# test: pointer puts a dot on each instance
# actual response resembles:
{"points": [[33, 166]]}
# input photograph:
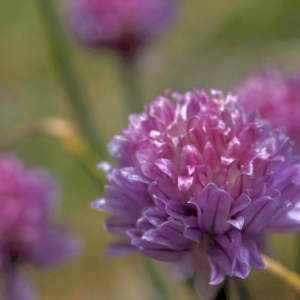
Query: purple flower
{"points": [[200, 179], [29, 233], [276, 98], [120, 25]]}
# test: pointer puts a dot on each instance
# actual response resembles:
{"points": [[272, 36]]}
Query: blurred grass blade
{"points": [[64, 132], [289, 277], [62, 59]]}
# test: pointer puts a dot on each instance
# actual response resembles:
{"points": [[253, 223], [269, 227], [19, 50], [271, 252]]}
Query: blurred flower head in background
{"points": [[275, 97], [200, 177], [120, 25], [29, 233]]}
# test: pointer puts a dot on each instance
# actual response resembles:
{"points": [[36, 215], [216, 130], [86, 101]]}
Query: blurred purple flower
{"points": [[276, 98], [28, 231], [120, 25], [200, 177]]}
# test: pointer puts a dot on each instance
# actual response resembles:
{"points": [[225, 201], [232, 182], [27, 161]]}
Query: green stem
{"points": [[132, 102], [161, 291], [62, 60]]}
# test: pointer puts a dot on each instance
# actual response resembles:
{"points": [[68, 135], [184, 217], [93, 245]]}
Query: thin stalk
{"points": [[132, 102], [160, 289], [62, 60]]}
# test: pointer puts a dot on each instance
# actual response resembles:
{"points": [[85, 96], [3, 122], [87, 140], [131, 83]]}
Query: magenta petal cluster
{"points": [[29, 234], [121, 25], [196, 174], [275, 97]]}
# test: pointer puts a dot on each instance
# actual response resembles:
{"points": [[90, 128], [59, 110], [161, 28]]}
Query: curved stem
{"points": [[132, 102], [278, 270], [62, 59], [61, 130]]}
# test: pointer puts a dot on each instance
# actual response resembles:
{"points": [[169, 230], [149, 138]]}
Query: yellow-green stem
{"points": [[62, 131], [289, 277]]}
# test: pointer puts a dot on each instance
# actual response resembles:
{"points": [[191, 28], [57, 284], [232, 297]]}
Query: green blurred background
{"points": [[214, 44]]}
